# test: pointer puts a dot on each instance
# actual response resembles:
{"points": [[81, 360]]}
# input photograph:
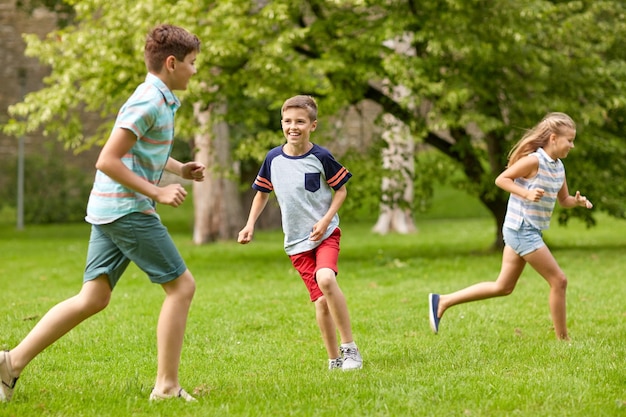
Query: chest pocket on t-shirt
{"points": [[312, 181]]}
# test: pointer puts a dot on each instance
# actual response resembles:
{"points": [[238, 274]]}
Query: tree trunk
{"points": [[217, 207], [497, 206], [397, 186]]}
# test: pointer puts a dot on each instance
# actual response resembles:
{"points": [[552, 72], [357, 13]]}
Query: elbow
{"points": [[101, 165]]}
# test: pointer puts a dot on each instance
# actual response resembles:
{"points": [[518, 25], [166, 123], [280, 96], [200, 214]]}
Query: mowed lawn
{"points": [[252, 346]]}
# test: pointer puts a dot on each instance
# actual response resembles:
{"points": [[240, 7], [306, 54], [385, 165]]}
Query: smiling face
{"points": [[561, 143], [297, 128]]}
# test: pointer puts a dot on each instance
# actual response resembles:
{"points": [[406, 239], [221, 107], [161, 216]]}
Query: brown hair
{"points": [[167, 40], [538, 136], [301, 102]]}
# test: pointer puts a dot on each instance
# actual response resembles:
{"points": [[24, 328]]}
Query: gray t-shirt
{"points": [[303, 189]]}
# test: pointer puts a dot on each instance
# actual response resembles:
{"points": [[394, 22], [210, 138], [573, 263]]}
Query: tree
{"points": [[476, 74], [397, 183], [96, 63]]}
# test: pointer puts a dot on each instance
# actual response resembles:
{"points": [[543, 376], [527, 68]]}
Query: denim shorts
{"points": [[523, 241], [137, 237]]}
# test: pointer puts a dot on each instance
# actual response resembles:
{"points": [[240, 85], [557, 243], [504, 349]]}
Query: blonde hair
{"points": [[301, 102], [538, 136]]}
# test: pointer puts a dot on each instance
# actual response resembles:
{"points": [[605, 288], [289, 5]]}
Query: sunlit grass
{"points": [[252, 347]]}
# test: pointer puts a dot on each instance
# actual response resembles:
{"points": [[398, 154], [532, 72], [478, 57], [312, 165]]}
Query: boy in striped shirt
{"points": [[125, 225]]}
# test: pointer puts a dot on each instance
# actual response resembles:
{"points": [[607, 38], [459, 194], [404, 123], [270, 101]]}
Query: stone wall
{"points": [[20, 75]]}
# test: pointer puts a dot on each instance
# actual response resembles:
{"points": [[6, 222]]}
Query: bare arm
{"points": [[320, 227], [190, 171], [526, 167], [568, 201], [110, 162], [258, 205]]}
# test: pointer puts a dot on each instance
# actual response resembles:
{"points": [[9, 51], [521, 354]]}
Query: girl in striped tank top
{"points": [[535, 177]]}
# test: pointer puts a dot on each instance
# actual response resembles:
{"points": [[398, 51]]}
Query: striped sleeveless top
{"points": [[550, 177]]}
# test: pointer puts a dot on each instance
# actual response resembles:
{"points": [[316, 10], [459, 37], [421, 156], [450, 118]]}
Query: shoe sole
{"points": [[432, 313]]}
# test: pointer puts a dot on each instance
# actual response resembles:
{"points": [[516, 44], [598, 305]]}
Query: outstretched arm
{"points": [[258, 204], [190, 171]]}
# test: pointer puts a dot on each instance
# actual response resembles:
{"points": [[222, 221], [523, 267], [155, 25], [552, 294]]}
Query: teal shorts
{"points": [[137, 237]]}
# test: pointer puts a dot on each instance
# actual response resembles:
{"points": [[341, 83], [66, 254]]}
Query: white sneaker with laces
{"points": [[351, 359], [335, 363]]}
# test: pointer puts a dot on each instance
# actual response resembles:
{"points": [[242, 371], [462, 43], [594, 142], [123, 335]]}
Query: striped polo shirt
{"points": [[149, 114], [550, 177], [303, 189]]}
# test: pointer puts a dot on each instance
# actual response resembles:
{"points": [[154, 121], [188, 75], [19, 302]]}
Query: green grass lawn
{"points": [[252, 347]]}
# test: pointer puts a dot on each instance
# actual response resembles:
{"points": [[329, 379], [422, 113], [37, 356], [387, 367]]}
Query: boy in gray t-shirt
{"points": [[310, 188]]}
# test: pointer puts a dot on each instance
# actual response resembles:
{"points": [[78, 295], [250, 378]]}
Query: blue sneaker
{"points": [[433, 304]]}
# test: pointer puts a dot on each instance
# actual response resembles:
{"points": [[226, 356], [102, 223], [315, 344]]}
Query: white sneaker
{"points": [[335, 363], [351, 359], [156, 396], [6, 375]]}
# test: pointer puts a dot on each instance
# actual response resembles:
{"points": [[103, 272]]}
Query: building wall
{"points": [[20, 75]]}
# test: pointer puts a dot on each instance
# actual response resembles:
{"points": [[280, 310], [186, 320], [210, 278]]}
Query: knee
{"points": [[504, 291], [326, 280], [94, 296], [559, 282], [95, 303], [185, 286]]}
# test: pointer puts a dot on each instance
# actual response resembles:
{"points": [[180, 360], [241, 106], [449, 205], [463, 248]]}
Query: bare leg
{"points": [[171, 331], [545, 264], [336, 303], [327, 327], [93, 297], [512, 267]]}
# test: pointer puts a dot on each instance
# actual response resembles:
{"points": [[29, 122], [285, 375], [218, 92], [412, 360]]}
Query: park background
{"points": [[424, 124]]}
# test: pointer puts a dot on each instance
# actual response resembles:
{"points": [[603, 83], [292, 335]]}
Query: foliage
{"points": [[54, 192], [364, 192], [466, 76]]}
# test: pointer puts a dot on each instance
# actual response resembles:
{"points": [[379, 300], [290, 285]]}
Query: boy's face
{"points": [[183, 70], [297, 126]]}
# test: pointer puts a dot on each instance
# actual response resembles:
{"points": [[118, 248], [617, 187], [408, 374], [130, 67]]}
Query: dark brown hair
{"points": [[301, 102], [168, 40]]}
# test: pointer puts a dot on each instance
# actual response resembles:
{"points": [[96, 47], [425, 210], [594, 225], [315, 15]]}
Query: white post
{"points": [[21, 75]]}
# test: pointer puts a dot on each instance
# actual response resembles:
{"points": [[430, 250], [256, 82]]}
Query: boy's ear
{"points": [[170, 63], [313, 125]]}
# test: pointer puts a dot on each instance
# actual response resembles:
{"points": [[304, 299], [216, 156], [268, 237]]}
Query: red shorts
{"points": [[324, 256]]}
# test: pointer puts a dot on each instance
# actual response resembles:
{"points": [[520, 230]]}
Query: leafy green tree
{"points": [[466, 76]]}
